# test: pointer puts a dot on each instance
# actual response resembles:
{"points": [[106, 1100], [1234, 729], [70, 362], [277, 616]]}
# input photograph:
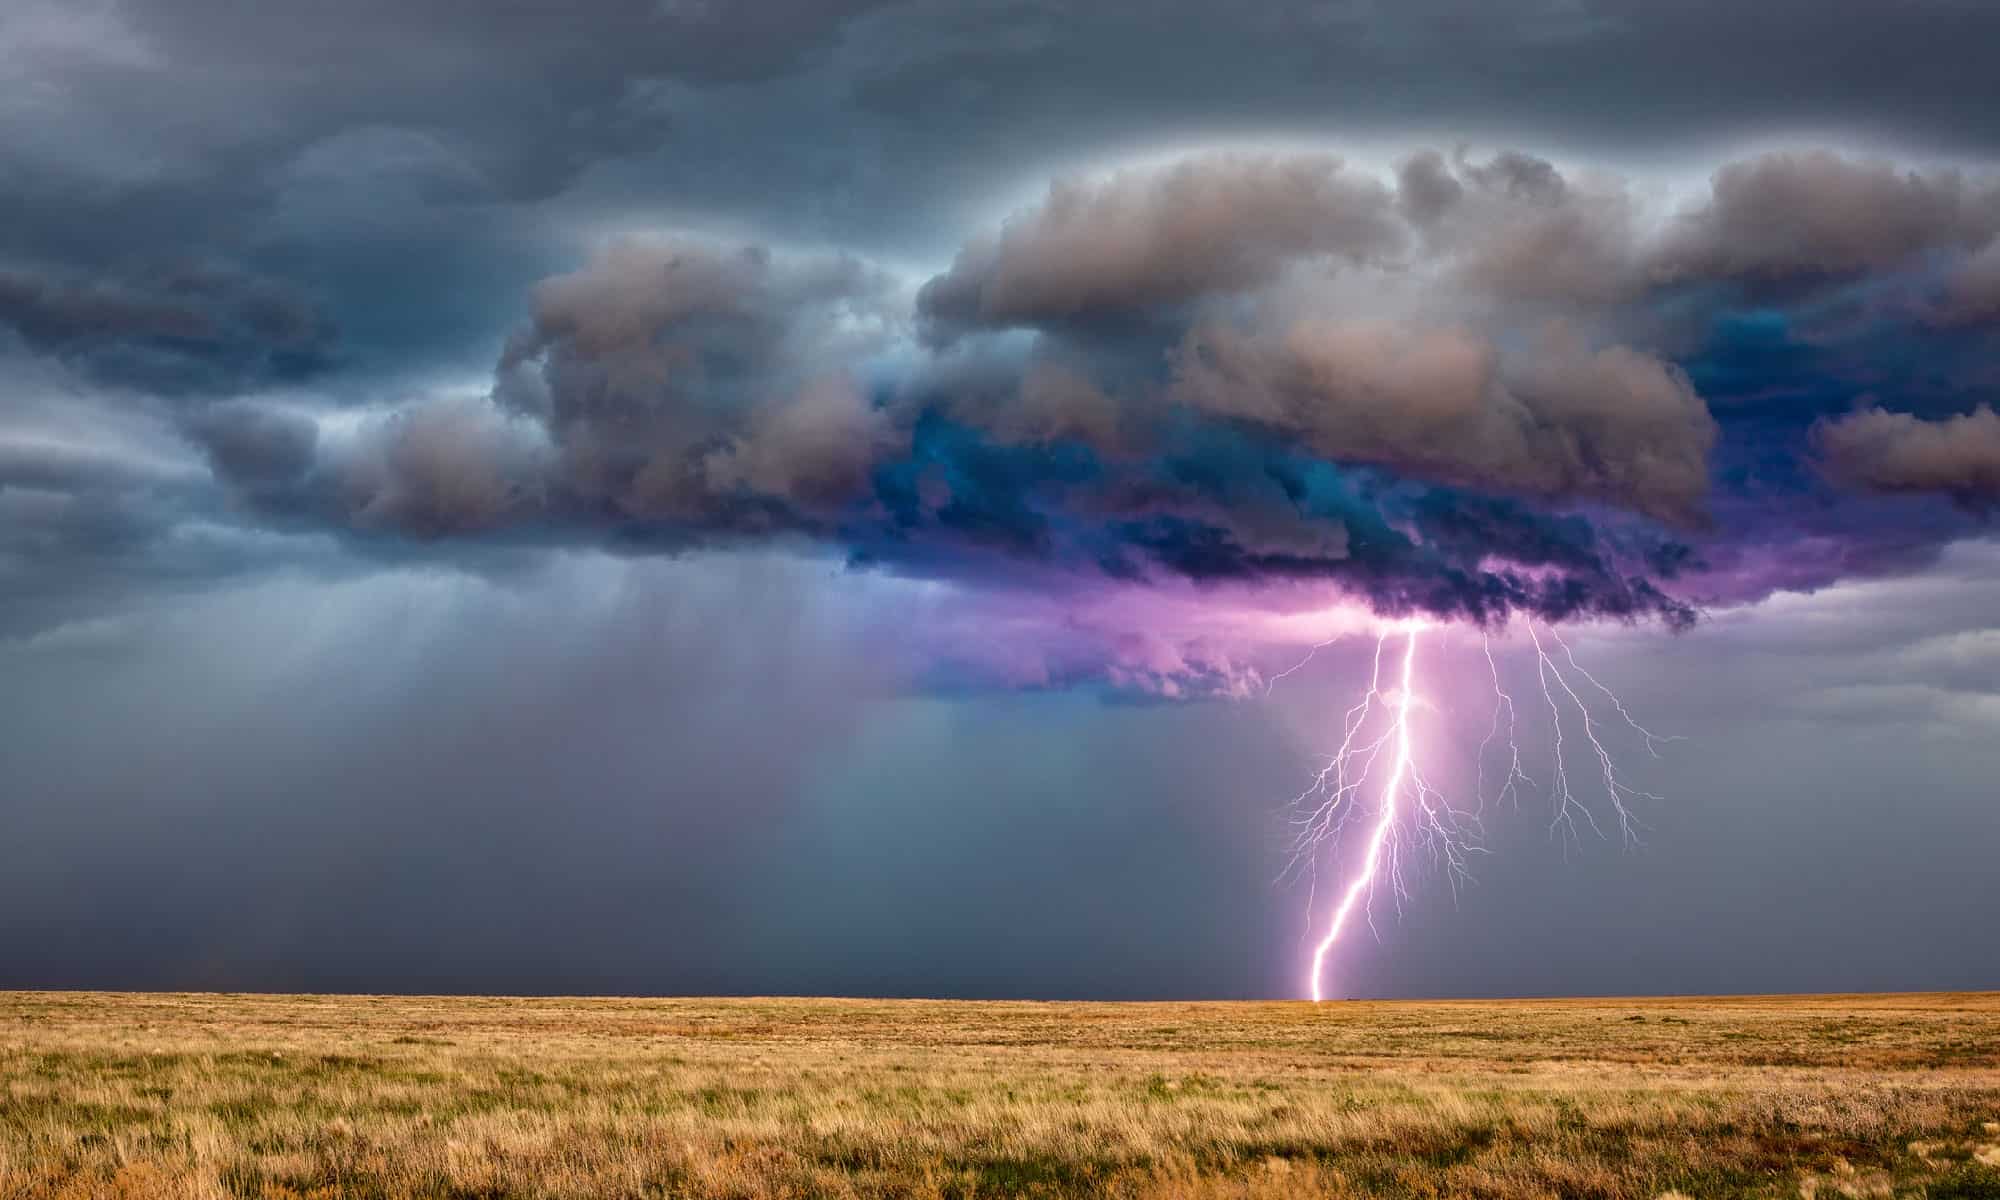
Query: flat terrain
{"points": [[293, 1096]]}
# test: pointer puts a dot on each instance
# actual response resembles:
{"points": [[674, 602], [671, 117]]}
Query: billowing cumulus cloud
{"points": [[1783, 215], [1142, 240], [442, 468], [438, 468], [704, 386], [1564, 422], [1897, 452], [1516, 227]]}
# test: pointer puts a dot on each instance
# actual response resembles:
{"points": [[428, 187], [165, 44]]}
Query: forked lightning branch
{"points": [[1376, 778]]}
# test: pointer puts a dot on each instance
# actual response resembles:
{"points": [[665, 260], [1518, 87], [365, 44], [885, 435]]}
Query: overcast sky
{"points": [[682, 497]]}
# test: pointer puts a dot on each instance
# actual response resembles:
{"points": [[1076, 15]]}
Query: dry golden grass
{"points": [[201, 1096]]}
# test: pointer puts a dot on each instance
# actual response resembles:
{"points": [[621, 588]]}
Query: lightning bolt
{"points": [[1378, 837], [1381, 725]]}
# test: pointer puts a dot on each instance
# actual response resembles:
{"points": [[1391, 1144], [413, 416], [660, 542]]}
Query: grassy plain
{"points": [[184, 1096]]}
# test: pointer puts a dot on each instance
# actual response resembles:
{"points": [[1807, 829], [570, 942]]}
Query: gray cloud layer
{"points": [[190, 329]]}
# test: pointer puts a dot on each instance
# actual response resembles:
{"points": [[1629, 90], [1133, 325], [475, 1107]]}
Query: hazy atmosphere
{"points": [[843, 498]]}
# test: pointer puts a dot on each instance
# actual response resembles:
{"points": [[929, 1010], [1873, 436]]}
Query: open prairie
{"points": [[381, 1096]]}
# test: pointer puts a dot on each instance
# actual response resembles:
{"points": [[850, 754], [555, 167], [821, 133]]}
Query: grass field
{"points": [[293, 1096]]}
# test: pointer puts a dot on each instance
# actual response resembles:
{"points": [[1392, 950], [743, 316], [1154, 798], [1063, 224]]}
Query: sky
{"points": [[898, 497]]}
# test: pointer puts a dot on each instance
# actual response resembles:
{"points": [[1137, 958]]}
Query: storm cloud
{"points": [[1148, 239], [1231, 367], [1972, 291], [1818, 213], [174, 331], [1566, 422], [1898, 452]]}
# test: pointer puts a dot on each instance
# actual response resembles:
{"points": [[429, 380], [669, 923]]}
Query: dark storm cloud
{"points": [[197, 122], [255, 445], [1972, 292], [1785, 215], [1615, 424], [417, 43], [429, 470], [1499, 246], [686, 382], [1515, 226], [136, 122], [685, 392], [1518, 226], [398, 162], [1143, 240], [1152, 241], [672, 382], [1244, 364], [439, 469], [1236, 367], [1897, 452], [525, 95], [1604, 73], [188, 329]]}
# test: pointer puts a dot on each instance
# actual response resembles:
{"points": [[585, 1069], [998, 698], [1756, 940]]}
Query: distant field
{"points": [[296, 1096]]}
